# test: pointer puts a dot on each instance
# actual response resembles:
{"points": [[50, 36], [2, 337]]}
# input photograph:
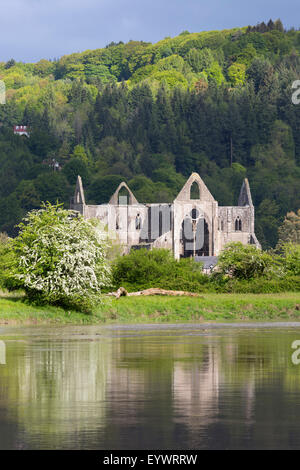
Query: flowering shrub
{"points": [[61, 258]]}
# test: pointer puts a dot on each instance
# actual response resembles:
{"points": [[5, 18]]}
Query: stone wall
{"points": [[177, 226]]}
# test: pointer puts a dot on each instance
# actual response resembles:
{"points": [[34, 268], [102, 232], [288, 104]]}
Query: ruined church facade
{"points": [[192, 225]]}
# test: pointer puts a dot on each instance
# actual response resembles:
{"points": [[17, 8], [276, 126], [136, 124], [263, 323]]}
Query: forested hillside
{"points": [[218, 103]]}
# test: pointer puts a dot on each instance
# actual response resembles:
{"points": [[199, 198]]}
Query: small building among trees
{"points": [[21, 130]]}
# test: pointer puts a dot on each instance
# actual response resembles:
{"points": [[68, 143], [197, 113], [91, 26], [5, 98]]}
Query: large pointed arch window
{"points": [[123, 197], [195, 191]]}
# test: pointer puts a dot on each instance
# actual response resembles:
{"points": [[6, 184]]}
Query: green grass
{"points": [[212, 307]]}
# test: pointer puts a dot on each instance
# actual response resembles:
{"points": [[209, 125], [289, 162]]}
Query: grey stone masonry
{"points": [[192, 225]]}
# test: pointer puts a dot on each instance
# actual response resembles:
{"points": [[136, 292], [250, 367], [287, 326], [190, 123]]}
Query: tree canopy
{"points": [[138, 111]]}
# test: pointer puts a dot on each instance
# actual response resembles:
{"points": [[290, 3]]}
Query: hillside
{"points": [[216, 102]]}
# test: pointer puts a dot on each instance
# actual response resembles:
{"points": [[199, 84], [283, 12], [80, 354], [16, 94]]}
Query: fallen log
{"points": [[152, 291], [120, 293]]}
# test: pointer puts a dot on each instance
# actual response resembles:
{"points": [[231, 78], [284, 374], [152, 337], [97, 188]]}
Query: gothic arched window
{"points": [[195, 191], [238, 225], [123, 197], [194, 214], [138, 222]]}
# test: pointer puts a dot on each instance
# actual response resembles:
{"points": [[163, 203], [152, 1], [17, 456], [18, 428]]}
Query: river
{"points": [[191, 386]]}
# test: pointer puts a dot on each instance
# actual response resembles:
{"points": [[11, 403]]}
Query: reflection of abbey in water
{"points": [[193, 225]]}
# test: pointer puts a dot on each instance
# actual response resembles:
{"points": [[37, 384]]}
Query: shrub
{"points": [[60, 258], [142, 269], [244, 261], [263, 286], [7, 261], [253, 271], [291, 258]]}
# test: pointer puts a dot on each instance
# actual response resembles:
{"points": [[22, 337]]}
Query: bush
{"points": [[142, 269], [263, 286], [291, 258], [253, 272], [7, 261], [59, 258], [244, 261]]}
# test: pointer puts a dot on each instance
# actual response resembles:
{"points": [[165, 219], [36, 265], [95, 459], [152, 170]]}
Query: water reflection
{"points": [[146, 387], [2, 353]]}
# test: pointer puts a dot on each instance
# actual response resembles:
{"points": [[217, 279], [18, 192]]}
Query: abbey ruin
{"points": [[192, 225]]}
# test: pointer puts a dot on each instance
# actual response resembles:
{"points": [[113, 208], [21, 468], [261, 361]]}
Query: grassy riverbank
{"points": [[208, 307]]}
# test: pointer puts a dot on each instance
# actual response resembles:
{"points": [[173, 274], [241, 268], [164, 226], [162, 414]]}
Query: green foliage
{"points": [[262, 285], [10, 63], [53, 187], [289, 231], [291, 258], [237, 74], [7, 264], [80, 154], [59, 258], [244, 261], [172, 78], [215, 102], [101, 189], [99, 71], [240, 269], [75, 167], [200, 60], [173, 62], [214, 73], [44, 68], [142, 269]]}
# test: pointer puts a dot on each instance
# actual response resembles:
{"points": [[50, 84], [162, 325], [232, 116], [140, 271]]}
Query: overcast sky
{"points": [[35, 29]]}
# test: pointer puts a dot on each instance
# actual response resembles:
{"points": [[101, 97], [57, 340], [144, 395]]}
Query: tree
{"points": [[60, 258], [278, 25], [237, 74], [290, 229], [79, 153], [214, 73], [44, 68], [75, 167], [103, 188], [176, 102], [259, 71], [291, 258], [244, 261], [267, 222], [53, 187], [200, 60], [10, 63], [6, 258]]}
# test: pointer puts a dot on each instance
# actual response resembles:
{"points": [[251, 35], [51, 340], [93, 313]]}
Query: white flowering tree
{"points": [[61, 258]]}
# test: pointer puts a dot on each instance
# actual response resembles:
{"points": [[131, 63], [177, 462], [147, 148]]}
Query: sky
{"points": [[34, 29]]}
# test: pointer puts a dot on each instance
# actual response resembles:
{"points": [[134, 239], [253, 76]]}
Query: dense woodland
{"points": [[218, 103]]}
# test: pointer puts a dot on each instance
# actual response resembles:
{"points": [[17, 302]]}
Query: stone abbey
{"points": [[192, 225]]}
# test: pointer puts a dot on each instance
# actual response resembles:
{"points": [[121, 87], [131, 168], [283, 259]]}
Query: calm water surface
{"points": [[149, 387]]}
